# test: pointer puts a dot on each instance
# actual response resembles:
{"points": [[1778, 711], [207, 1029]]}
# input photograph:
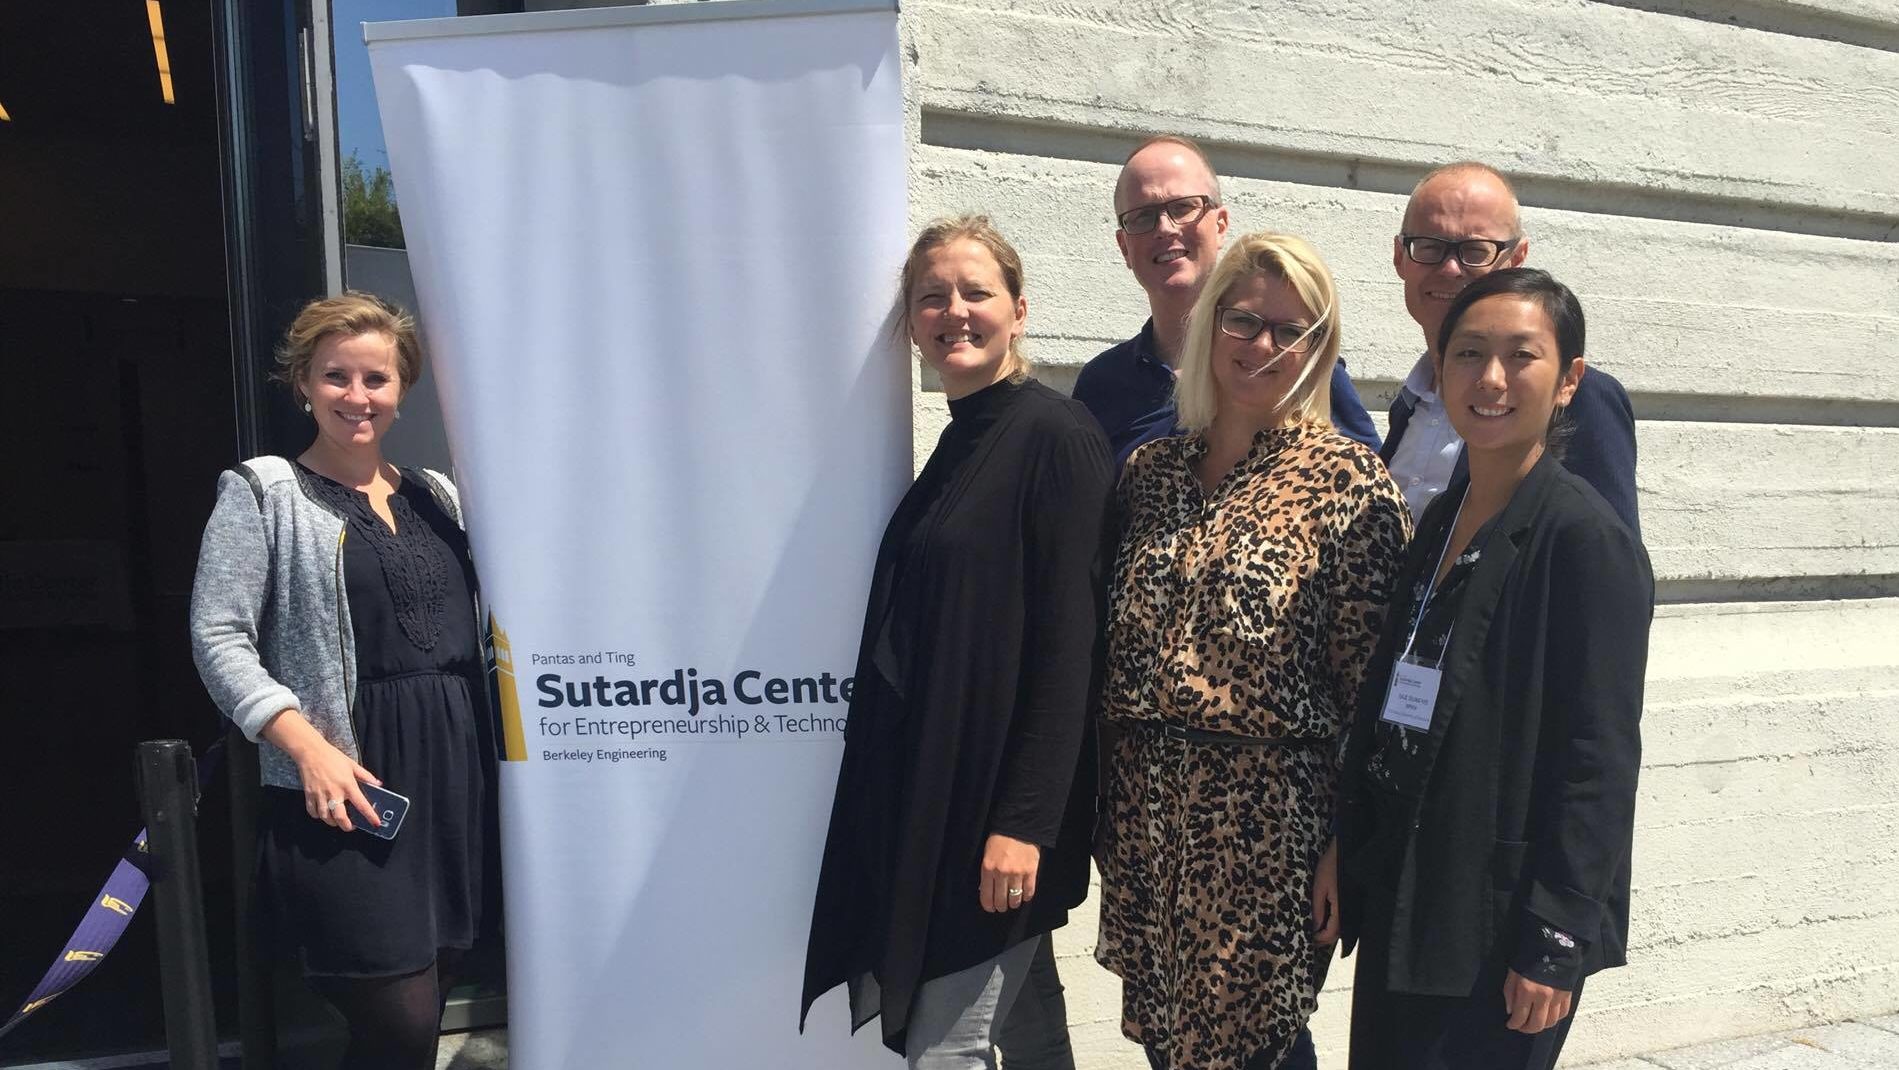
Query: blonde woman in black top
{"points": [[959, 836], [334, 621]]}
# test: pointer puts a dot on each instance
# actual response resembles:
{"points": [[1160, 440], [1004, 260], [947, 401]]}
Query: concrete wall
{"points": [[1720, 183]]}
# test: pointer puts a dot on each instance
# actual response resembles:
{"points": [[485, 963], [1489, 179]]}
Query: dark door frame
{"points": [[274, 258]]}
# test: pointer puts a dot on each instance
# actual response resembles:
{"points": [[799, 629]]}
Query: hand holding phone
{"points": [[389, 806]]}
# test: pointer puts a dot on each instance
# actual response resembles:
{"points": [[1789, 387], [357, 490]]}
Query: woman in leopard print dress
{"points": [[1256, 555]]}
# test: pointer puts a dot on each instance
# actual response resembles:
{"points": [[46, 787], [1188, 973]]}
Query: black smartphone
{"points": [[392, 808]]}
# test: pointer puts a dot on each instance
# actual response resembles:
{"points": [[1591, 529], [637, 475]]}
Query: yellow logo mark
{"points": [[37, 1004], [514, 744], [116, 906], [84, 956]]}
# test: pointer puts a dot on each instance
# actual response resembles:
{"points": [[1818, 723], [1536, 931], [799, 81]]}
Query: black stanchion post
{"points": [[168, 791], [256, 997]]}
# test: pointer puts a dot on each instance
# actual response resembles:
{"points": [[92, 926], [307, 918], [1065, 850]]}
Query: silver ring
{"points": [[1015, 891], [332, 806]]}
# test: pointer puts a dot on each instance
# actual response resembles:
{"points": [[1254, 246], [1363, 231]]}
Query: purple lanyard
{"points": [[106, 918]]}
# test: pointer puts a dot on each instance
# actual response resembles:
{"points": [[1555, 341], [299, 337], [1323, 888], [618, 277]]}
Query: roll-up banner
{"points": [[654, 250]]}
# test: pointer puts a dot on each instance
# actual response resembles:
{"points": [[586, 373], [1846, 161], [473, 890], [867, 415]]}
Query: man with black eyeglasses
{"points": [[1460, 224], [1169, 225]]}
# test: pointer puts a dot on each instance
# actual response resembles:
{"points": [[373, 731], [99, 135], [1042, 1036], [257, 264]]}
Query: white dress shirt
{"points": [[1427, 454]]}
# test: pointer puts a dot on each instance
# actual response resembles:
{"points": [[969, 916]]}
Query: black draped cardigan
{"points": [[1524, 816], [970, 713]]}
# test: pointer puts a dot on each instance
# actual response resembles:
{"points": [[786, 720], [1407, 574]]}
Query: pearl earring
{"points": [[398, 415], [307, 408]]}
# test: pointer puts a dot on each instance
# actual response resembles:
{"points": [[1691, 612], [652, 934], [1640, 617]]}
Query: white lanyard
{"points": [[1430, 592]]}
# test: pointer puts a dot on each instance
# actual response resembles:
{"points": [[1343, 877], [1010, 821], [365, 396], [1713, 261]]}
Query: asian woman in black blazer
{"points": [[1482, 862]]}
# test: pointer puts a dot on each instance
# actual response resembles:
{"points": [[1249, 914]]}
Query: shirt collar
{"points": [[1267, 442], [989, 400], [1144, 350], [1418, 383]]}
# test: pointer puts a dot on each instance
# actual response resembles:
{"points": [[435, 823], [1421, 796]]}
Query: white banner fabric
{"points": [[655, 260]]}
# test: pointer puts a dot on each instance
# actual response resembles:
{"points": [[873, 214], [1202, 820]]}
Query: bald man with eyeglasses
{"points": [[1461, 223], [1169, 223]]}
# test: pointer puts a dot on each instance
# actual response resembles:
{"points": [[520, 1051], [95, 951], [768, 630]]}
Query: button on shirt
{"points": [[1427, 453]]}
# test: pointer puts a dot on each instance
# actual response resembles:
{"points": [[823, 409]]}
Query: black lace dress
{"points": [[349, 904]]}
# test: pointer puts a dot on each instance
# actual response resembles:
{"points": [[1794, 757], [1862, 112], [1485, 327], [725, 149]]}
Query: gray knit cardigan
{"points": [[270, 626]]}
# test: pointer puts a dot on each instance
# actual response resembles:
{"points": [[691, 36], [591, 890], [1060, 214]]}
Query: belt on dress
{"points": [[1228, 739]]}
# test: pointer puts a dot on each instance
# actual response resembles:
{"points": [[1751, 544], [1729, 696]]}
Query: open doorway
{"points": [[115, 338], [136, 359]]}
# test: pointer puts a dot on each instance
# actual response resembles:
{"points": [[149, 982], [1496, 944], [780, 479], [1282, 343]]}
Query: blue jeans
{"points": [[1035, 1035], [954, 1023]]}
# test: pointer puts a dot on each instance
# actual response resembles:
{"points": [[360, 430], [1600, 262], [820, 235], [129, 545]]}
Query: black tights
{"points": [[1302, 1057], [394, 1022]]}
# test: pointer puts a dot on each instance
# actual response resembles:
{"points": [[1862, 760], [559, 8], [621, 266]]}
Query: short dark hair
{"points": [[1532, 284], [1557, 301]]}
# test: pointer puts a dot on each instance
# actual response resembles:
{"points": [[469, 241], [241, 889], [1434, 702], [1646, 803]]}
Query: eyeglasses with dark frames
{"points": [[1289, 337], [1184, 211], [1471, 252]]}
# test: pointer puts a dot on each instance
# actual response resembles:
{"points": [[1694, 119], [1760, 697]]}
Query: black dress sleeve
{"points": [[1065, 509], [1601, 599]]}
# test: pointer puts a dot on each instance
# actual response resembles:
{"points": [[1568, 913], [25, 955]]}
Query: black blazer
{"points": [[1601, 445], [1527, 812]]}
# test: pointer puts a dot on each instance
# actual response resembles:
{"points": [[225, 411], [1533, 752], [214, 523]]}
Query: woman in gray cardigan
{"points": [[334, 621]]}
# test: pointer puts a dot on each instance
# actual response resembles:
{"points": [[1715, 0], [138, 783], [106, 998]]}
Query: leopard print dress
{"points": [[1251, 611]]}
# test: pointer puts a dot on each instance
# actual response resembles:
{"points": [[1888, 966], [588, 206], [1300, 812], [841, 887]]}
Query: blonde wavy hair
{"points": [[348, 314], [1291, 260], [941, 232]]}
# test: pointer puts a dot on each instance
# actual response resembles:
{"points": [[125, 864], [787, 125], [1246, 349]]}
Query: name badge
{"points": [[1412, 695]]}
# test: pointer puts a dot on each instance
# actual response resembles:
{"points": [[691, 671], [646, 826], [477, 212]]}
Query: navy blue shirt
{"points": [[1600, 448], [1131, 392]]}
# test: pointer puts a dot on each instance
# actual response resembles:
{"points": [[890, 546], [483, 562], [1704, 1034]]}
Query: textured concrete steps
{"points": [[1763, 833], [1739, 509], [1611, 103], [1675, 308], [1872, 1044]]}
